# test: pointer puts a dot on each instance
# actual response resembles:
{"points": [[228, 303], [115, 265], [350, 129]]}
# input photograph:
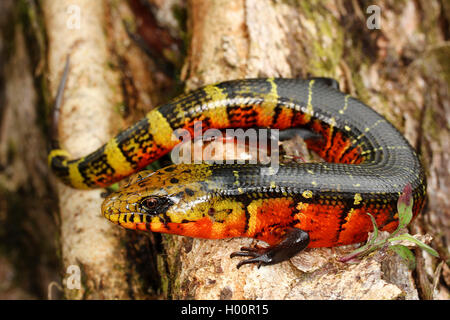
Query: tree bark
{"points": [[28, 246], [385, 68], [127, 57]]}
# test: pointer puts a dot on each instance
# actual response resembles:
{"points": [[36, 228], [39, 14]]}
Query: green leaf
{"points": [[155, 165], [405, 254], [353, 256], [404, 207], [420, 244], [114, 187], [367, 247], [375, 230]]}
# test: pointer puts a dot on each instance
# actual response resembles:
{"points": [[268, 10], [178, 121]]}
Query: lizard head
{"points": [[174, 199]]}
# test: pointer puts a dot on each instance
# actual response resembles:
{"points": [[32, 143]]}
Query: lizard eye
{"points": [[155, 204], [150, 203]]}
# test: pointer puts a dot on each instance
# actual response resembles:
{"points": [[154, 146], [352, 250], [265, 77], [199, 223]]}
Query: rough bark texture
{"points": [[99, 49], [385, 68], [127, 57], [28, 229], [87, 240]]}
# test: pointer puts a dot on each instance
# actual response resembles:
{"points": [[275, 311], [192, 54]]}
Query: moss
{"points": [[30, 16], [11, 151], [169, 265], [161, 266], [328, 57], [120, 108], [327, 39], [430, 126], [430, 15], [309, 8], [181, 16], [442, 54], [360, 88]]}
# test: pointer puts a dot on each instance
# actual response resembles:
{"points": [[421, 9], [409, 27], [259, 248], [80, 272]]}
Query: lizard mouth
{"points": [[137, 213], [118, 211]]}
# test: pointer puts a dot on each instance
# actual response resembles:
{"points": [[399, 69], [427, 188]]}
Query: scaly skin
{"points": [[368, 165]]}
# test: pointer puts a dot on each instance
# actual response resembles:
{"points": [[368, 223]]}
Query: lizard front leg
{"points": [[294, 241]]}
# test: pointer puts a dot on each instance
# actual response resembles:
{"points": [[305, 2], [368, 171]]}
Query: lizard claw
{"points": [[294, 241], [258, 255]]}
